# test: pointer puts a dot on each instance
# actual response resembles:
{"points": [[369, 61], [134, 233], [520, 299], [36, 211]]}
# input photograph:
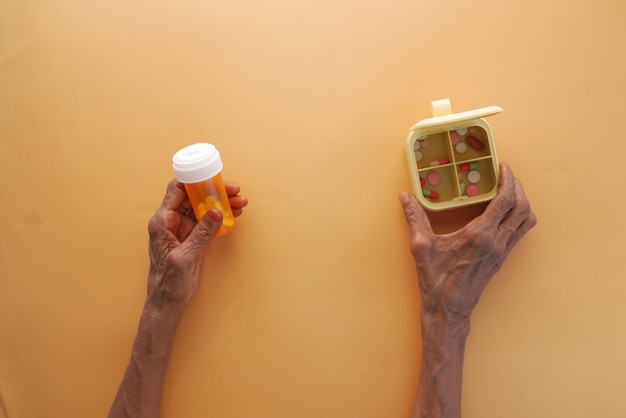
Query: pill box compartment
{"points": [[452, 160]]}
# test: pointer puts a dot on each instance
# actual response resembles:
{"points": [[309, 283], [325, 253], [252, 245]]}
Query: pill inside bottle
{"points": [[199, 168]]}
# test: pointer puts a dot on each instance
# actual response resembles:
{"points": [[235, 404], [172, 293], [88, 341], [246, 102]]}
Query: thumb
{"points": [[415, 215], [204, 231]]}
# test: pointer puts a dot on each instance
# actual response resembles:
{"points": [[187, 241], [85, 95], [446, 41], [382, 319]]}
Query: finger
{"points": [[231, 188], [185, 208], [204, 231], [415, 215], [520, 212], [528, 224], [238, 202], [187, 223], [174, 195], [504, 200]]}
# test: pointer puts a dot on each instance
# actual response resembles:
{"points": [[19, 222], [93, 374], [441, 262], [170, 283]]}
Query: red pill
{"points": [[474, 142], [422, 181]]}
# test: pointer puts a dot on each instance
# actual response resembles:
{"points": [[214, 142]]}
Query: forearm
{"points": [[139, 395], [439, 390]]}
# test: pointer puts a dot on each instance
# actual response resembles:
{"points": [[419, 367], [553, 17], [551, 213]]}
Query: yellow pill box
{"points": [[451, 158]]}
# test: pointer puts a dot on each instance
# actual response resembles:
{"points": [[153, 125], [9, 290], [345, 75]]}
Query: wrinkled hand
{"points": [[178, 242], [454, 269]]}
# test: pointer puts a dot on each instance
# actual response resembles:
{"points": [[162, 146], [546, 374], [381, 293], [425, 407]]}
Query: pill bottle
{"points": [[199, 168]]}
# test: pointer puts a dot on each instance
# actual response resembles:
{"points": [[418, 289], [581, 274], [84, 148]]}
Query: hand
{"points": [[454, 269], [178, 242]]}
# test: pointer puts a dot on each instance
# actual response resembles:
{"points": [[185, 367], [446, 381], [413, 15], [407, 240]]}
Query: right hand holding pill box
{"points": [[451, 158]]}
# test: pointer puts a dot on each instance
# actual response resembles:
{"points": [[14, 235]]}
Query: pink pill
{"points": [[474, 142], [433, 178], [455, 138], [425, 143], [471, 190]]}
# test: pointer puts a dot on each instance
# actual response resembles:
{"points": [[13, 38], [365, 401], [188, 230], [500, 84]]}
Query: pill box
{"points": [[451, 157]]}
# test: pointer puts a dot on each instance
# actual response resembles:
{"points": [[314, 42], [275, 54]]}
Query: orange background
{"points": [[310, 307]]}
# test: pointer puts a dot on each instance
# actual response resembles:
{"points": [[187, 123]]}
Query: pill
{"points": [[416, 145], [419, 165], [471, 190], [460, 147], [426, 143], [433, 178], [454, 138], [422, 181], [418, 156], [441, 161], [474, 142], [469, 166], [462, 187], [473, 129], [430, 194], [423, 137], [461, 131], [473, 176]]}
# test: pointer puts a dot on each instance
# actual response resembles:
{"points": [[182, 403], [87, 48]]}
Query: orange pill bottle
{"points": [[199, 168]]}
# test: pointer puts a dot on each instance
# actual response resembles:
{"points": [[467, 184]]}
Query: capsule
{"points": [[430, 193], [441, 161], [474, 142], [468, 166]]}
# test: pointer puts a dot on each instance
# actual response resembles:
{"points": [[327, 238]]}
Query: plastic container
{"points": [[452, 159], [199, 168]]}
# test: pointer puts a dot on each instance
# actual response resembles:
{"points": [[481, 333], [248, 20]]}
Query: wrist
{"points": [[446, 318], [164, 297], [165, 316], [443, 331]]}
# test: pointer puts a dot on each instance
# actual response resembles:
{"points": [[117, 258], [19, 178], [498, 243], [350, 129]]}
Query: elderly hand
{"points": [[453, 269], [178, 242]]}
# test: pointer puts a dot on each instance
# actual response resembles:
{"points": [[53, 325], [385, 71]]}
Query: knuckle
{"points": [[419, 245], [532, 219], [154, 225]]}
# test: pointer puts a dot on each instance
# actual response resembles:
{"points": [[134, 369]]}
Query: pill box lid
{"points": [[450, 121]]}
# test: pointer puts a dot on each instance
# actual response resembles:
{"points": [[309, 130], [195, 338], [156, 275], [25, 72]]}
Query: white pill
{"points": [[460, 147], [418, 156], [461, 131], [473, 176], [416, 145]]}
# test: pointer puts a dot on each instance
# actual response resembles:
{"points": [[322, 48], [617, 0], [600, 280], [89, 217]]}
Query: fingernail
{"points": [[215, 215]]}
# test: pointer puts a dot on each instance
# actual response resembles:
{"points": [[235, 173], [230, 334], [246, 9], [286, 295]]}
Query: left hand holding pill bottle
{"points": [[199, 168]]}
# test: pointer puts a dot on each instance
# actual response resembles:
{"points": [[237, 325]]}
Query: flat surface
{"points": [[310, 307]]}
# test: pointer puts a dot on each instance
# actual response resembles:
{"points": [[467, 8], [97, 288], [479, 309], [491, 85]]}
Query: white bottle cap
{"points": [[196, 163]]}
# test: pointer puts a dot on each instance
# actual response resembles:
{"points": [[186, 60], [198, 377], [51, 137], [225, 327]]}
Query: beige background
{"points": [[310, 307]]}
